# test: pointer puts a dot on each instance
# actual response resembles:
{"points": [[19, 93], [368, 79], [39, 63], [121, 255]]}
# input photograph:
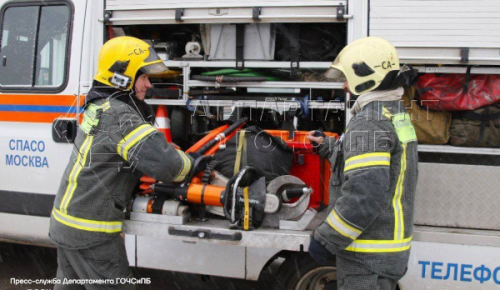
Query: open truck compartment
{"points": [[269, 57]]}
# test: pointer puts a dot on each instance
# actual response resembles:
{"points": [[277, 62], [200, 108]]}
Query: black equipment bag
{"points": [[252, 146]]}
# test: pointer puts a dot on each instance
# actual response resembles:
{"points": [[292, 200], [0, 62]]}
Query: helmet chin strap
{"points": [[132, 97], [395, 79]]}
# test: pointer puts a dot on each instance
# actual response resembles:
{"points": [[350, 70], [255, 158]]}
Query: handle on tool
{"points": [[288, 194], [164, 189], [205, 234]]}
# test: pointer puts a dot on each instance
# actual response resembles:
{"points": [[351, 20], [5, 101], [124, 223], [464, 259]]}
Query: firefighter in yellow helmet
{"points": [[368, 230], [115, 145]]}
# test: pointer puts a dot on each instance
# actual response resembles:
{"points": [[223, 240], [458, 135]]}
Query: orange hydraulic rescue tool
{"points": [[193, 191]]}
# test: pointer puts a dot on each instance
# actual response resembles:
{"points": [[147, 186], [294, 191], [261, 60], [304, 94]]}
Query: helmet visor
{"points": [[334, 73], [154, 68], [152, 56]]}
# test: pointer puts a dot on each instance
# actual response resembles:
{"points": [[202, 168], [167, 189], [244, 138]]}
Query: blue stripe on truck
{"points": [[42, 109]]}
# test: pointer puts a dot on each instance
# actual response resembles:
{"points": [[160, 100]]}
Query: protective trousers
{"points": [[352, 276], [102, 266]]}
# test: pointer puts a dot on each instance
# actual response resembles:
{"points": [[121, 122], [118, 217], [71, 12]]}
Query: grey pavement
{"points": [[32, 262]]}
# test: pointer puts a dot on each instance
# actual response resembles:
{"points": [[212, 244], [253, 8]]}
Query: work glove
{"points": [[319, 252], [316, 137], [199, 164]]}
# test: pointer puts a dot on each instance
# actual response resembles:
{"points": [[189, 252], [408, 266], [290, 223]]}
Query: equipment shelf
{"points": [[458, 150], [303, 85], [249, 103], [457, 70], [248, 64]]}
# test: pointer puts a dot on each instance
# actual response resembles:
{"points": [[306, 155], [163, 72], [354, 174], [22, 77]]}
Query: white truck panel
{"points": [[416, 28], [27, 170], [435, 266]]}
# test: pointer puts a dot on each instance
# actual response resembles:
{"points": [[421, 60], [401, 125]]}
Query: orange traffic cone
{"points": [[163, 122]]}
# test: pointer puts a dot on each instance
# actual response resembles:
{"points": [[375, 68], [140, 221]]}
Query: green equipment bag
{"points": [[478, 128], [432, 127]]}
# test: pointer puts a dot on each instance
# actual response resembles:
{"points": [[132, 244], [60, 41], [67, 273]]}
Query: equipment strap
{"points": [[467, 80], [241, 147], [246, 216]]}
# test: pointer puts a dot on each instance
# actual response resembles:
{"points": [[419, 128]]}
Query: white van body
{"points": [[457, 224]]}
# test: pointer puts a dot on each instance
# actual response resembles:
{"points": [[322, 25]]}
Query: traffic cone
{"points": [[163, 122]]}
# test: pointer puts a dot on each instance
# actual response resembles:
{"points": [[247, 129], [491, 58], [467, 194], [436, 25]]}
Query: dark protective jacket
{"points": [[114, 147], [374, 176]]}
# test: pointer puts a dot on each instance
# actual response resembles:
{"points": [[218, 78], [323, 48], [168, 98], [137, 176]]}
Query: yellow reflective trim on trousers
{"points": [[380, 246], [87, 225], [342, 227], [389, 250], [383, 242], [133, 138], [367, 160], [75, 171], [396, 201], [186, 167]]}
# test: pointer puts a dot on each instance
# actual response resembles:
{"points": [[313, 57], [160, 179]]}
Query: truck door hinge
{"points": [[179, 12], [256, 11], [341, 11], [107, 16], [464, 54]]}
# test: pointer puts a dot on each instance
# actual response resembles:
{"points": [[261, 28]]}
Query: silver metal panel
{"points": [[260, 238], [434, 31], [256, 260], [159, 218], [460, 196], [191, 257]]}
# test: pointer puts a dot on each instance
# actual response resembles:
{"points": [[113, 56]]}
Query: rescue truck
{"points": [[48, 58]]}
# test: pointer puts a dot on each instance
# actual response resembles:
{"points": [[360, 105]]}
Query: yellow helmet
{"points": [[122, 57], [365, 63]]}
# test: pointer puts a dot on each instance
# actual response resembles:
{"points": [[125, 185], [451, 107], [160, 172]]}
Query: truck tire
{"points": [[301, 272]]}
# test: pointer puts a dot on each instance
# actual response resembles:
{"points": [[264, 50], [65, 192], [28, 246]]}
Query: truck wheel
{"points": [[302, 272]]}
